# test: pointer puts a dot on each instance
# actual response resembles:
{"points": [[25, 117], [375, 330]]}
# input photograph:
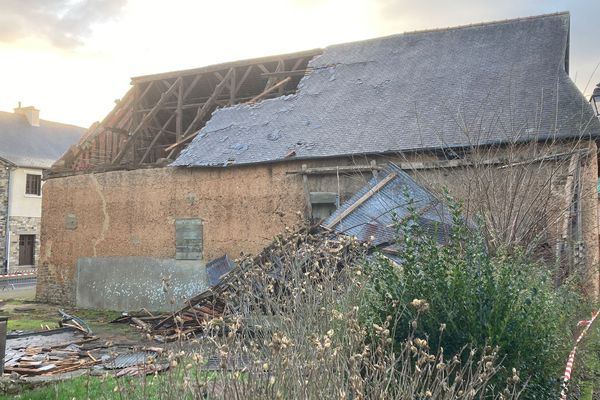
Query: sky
{"points": [[73, 58]]}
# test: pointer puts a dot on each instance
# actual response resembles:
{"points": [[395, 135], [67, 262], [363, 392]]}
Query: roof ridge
{"points": [[458, 27], [494, 22], [46, 120]]}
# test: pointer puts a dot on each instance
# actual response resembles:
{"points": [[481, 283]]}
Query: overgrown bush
{"points": [[294, 332], [502, 301]]}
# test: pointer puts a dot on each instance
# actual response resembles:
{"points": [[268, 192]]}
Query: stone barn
{"points": [[193, 165]]}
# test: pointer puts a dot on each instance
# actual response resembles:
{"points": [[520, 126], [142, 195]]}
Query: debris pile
{"points": [[302, 249], [72, 347], [54, 351]]}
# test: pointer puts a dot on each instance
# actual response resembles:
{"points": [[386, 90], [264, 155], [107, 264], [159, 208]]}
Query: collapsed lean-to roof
{"points": [[480, 84], [392, 198], [34, 146]]}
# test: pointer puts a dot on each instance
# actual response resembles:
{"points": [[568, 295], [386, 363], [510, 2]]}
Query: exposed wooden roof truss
{"points": [[162, 113]]}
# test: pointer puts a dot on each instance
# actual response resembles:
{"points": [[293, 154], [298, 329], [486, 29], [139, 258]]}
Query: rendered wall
{"points": [[133, 213], [22, 204], [133, 283]]}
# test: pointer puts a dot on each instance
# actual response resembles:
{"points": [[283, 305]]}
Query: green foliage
{"points": [[504, 301]]}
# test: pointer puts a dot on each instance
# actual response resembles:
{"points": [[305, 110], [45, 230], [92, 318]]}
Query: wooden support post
{"points": [[374, 169], [179, 112], [145, 120], [306, 193], [232, 87], [202, 111]]}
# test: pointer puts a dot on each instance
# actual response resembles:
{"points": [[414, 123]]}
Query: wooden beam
{"points": [[232, 86], [179, 112], [361, 200], [282, 74], [244, 77], [191, 86], [306, 193], [336, 169], [155, 139], [270, 90], [145, 120], [202, 111]]}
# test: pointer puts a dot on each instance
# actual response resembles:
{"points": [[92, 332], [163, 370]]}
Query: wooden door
{"points": [[26, 249]]}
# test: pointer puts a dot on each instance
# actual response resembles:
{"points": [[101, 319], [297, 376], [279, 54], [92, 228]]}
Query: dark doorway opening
{"points": [[26, 249]]}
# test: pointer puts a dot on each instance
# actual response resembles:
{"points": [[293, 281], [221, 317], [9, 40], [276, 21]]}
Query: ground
{"points": [[27, 315]]}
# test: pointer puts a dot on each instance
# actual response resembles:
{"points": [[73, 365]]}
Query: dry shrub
{"points": [[294, 332]]}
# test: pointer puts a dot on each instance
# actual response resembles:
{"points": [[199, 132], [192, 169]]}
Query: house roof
{"points": [[459, 87], [34, 146]]}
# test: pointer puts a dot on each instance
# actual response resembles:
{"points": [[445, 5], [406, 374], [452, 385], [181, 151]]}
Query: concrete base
{"points": [[132, 283]]}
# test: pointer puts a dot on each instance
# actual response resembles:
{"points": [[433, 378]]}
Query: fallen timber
{"points": [[210, 310]]}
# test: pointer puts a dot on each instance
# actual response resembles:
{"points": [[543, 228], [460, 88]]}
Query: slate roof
{"points": [[34, 146], [479, 84], [374, 220]]}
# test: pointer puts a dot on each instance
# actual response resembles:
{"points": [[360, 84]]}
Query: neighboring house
{"points": [[118, 219], [28, 146]]}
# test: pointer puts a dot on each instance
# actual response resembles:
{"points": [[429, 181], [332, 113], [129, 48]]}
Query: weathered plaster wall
{"points": [[132, 213], [22, 204]]}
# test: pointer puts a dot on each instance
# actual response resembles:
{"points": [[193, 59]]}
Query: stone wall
{"points": [[23, 226], [4, 174]]}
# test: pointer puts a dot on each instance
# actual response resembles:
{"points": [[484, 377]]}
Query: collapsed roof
{"points": [[391, 198], [161, 113], [24, 145], [460, 87]]}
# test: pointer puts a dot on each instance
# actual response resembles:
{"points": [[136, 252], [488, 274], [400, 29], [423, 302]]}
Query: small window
{"points": [[33, 185]]}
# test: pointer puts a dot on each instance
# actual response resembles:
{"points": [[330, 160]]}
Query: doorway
{"points": [[26, 249]]}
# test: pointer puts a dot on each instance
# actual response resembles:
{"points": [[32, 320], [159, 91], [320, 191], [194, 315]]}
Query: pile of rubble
{"points": [[73, 347], [237, 284]]}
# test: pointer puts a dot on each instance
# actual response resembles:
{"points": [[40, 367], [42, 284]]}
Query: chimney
{"points": [[31, 113]]}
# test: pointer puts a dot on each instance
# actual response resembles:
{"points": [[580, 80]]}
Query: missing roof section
{"points": [[162, 113]]}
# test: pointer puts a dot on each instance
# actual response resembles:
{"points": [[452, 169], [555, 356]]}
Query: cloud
{"points": [[65, 23]]}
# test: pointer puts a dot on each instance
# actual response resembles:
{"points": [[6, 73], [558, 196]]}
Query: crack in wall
{"points": [[106, 221]]}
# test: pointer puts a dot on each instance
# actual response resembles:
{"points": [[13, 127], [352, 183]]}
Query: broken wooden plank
{"points": [[270, 90]]}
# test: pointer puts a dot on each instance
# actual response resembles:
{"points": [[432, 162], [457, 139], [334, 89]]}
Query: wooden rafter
{"points": [[270, 90], [148, 117], [142, 125], [155, 139], [202, 111]]}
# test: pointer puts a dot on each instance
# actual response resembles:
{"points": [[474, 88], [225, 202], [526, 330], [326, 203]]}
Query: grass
{"points": [[110, 388], [83, 387], [42, 315]]}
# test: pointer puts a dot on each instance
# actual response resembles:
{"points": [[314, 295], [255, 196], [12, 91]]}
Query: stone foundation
{"points": [[3, 209]]}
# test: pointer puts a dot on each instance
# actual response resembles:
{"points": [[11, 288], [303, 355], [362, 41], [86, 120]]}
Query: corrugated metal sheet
{"points": [[374, 220], [217, 268]]}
